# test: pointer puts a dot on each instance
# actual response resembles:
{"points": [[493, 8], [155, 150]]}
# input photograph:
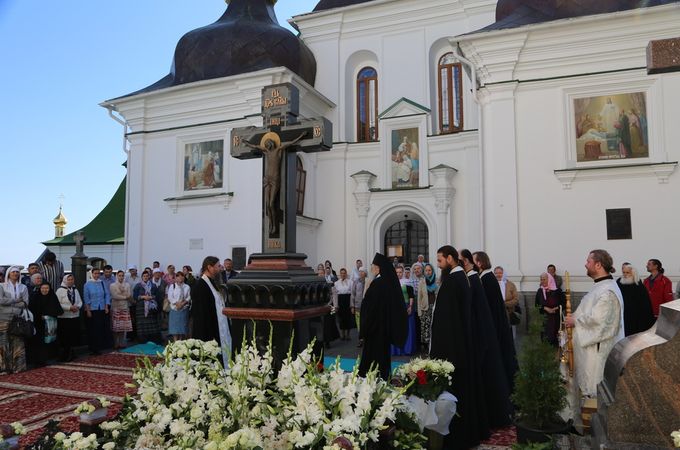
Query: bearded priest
{"points": [[597, 323]]}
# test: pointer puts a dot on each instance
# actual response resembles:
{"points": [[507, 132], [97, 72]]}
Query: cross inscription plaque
{"points": [[277, 142]]}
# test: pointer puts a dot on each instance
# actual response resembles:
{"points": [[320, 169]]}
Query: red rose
{"points": [[421, 375], [319, 366]]}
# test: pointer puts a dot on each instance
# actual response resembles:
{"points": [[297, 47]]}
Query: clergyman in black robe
{"points": [[203, 312], [492, 290], [383, 318], [452, 339], [637, 307], [495, 391]]}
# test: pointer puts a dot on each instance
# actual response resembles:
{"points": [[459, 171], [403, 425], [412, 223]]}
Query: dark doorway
{"points": [[407, 239]]}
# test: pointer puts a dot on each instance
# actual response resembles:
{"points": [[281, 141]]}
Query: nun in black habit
{"points": [[452, 339], [383, 318]]}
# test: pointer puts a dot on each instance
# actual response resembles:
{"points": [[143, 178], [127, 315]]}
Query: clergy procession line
{"points": [[466, 317]]}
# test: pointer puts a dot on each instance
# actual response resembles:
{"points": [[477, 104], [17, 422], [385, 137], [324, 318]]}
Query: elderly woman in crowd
{"points": [[170, 274], [179, 296], [13, 300], [45, 307], [146, 310], [68, 324], [427, 293], [121, 321], [549, 298]]}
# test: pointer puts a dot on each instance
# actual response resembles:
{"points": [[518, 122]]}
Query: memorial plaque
{"points": [[619, 224]]}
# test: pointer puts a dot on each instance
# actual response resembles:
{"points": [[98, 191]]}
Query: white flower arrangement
{"points": [[676, 438], [189, 401], [76, 441], [426, 378]]}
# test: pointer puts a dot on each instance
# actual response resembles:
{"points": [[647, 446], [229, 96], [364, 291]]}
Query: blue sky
{"points": [[61, 59]]}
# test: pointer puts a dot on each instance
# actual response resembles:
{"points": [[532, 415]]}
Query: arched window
{"points": [[300, 183], [367, 105], [450, 94]]}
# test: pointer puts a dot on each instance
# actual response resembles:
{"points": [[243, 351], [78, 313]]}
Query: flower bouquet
{"points": [[676, 438], [427, 381], [426, 378], [93, 412]]}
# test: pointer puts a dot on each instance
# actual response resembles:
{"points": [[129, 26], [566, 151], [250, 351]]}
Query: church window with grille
{"points": [[367, 105], [450, 79], [300, 183]]}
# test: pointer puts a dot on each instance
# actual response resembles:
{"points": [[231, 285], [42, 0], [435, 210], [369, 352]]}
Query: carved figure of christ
{"points": [[272, 152]]}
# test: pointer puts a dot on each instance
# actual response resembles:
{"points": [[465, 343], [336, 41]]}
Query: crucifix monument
{"points": [[277, 142], [277, 287]]}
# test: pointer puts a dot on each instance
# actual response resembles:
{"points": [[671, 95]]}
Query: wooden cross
{"points": [[282, 136]]}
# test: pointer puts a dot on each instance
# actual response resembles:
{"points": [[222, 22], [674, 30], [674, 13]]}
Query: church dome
{"points": [[533, 11], [331, 4], [60, 220], [247, 38]]}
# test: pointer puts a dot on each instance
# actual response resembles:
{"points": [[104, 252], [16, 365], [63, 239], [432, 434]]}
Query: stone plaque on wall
{"points": [[619, 224]]}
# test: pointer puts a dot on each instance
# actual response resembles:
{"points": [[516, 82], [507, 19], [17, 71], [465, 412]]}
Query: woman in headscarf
{"points": [[330, 327], [179, 296], [13, 299], [427, 293], [408, 295], [68, 324], [45, 307], [148, 327], [121, 321], [549, 298]]}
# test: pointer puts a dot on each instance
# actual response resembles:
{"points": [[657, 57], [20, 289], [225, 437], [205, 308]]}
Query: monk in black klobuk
{"points": [[493, 392], [498, 313], [383, 317], [452, 340]]}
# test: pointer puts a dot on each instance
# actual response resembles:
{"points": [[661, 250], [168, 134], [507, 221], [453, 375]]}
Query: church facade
{"points": [[454, 121]]}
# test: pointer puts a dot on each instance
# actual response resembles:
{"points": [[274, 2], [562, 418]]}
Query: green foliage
{"points": [[540, 393], [533, 446]]}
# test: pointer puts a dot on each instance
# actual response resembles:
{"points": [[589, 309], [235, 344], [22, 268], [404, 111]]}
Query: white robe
{"points": [[599, 326]]}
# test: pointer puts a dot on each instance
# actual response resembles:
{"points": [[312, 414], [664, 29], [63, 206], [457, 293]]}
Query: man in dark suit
{"points": [[228, 272]]}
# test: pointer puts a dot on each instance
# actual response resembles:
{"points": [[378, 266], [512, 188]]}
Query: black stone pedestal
{"points": [[281, 296]]}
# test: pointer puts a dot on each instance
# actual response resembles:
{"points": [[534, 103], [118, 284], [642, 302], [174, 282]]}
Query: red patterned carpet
{"points": [[500, 439], [53, 392]]}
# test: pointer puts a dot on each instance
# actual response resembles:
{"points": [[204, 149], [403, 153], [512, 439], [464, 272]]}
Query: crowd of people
{"points": [[115, 308]]}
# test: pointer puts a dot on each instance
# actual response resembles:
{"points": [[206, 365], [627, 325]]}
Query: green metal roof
{"points": [[108, 227]]}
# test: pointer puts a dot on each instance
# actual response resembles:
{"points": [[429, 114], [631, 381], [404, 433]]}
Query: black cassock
{"points": [[452, 339], [203, 313], [374, 329], [503, 331], [637, 308], [494, 398]]}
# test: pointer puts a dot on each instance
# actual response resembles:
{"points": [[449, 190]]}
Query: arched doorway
{"points": [[407, 239]]}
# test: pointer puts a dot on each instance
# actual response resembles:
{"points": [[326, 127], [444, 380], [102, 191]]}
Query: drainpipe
{"points": [[475, 96], [109, 108]]}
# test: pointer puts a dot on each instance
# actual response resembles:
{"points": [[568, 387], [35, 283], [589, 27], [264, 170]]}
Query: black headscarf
{"points": [[398, 324], [44, 305]]}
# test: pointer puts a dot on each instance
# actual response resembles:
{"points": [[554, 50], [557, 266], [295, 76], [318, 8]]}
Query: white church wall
{"points": [[399, 40], [561, 216], [529, 156], [165, 222]]}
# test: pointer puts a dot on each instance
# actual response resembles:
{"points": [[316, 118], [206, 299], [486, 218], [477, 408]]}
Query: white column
{"points": [[362, 197], [499, 175], [443, 191]]}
